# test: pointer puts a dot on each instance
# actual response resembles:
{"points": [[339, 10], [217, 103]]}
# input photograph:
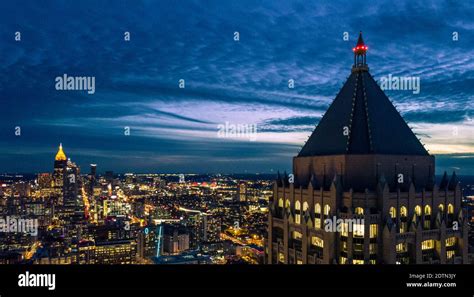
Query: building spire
{"points": [[360, 51], [60, 156]]}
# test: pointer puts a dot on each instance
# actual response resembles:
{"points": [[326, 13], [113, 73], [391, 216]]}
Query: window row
{"points": [[427, 210], [299, 210]]}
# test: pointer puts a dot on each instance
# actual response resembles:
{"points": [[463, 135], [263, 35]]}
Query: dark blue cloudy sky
{"points": [[175, 130]]}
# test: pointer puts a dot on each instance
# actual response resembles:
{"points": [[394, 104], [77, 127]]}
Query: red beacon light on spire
{"points": [[360, 48], [360, 51], [363, 47]]}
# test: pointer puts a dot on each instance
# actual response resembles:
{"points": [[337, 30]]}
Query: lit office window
{"points": [[403, 219], [373, 230], [344, 229], [402, 247], [441, 208], [317, 215], [450, 209], [427, 224], [316, 241], [418, 211], [297, 235], [305, 206], [358, 230], [327, 210], [297, 212], [343, 260], [450, 254], [403, 211], [427, 244], [451, 241], [373, 248], [393, 212], [281, 258]]}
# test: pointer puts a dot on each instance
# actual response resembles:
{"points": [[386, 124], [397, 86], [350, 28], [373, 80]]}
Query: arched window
{"points": [[441, 208], [427, 213], [297, 212], [305, 206], [359, 211], [327, 210], [317, 215], [393, 213], [418, 211], [403, 219], [450, 209], [287, 207], [427, 210], [403, 211], [450, 214], [280, 208], [317, 208]]}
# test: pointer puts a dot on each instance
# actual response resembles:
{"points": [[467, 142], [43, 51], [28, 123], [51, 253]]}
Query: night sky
{"points": [[245, 81]]}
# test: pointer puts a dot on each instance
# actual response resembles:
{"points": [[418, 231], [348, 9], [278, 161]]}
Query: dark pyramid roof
{"points": [[360, 41], [375, 125]]}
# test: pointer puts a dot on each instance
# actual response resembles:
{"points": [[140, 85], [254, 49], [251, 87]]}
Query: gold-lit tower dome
{"points": [[60, 156]]}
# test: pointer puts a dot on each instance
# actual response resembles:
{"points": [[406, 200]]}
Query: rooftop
{"points": [[362, 120]]}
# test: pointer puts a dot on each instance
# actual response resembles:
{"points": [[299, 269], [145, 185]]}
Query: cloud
{"points": [[239, 82]]}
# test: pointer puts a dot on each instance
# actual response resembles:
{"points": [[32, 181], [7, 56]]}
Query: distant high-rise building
{"points": [[21, 189], [365, 171], [92, 178], [93, 170], [242, 191], [175, 241], [45, 180], [59, 174], [85, 252], [147, 240], [72, 197], [115, 252], [69, 203], [212, 228]]}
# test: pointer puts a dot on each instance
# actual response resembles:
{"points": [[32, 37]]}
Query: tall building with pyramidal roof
{"points": [[363, 189], [59, 174]]}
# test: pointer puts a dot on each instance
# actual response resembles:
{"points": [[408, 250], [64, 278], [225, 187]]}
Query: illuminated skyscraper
{"points": [[365, 170], [92, 179], [59, 173], [242, 191], [72, 197], [69, 207]]}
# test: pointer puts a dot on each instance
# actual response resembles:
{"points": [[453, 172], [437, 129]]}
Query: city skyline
{"points": [[175, 130]]}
